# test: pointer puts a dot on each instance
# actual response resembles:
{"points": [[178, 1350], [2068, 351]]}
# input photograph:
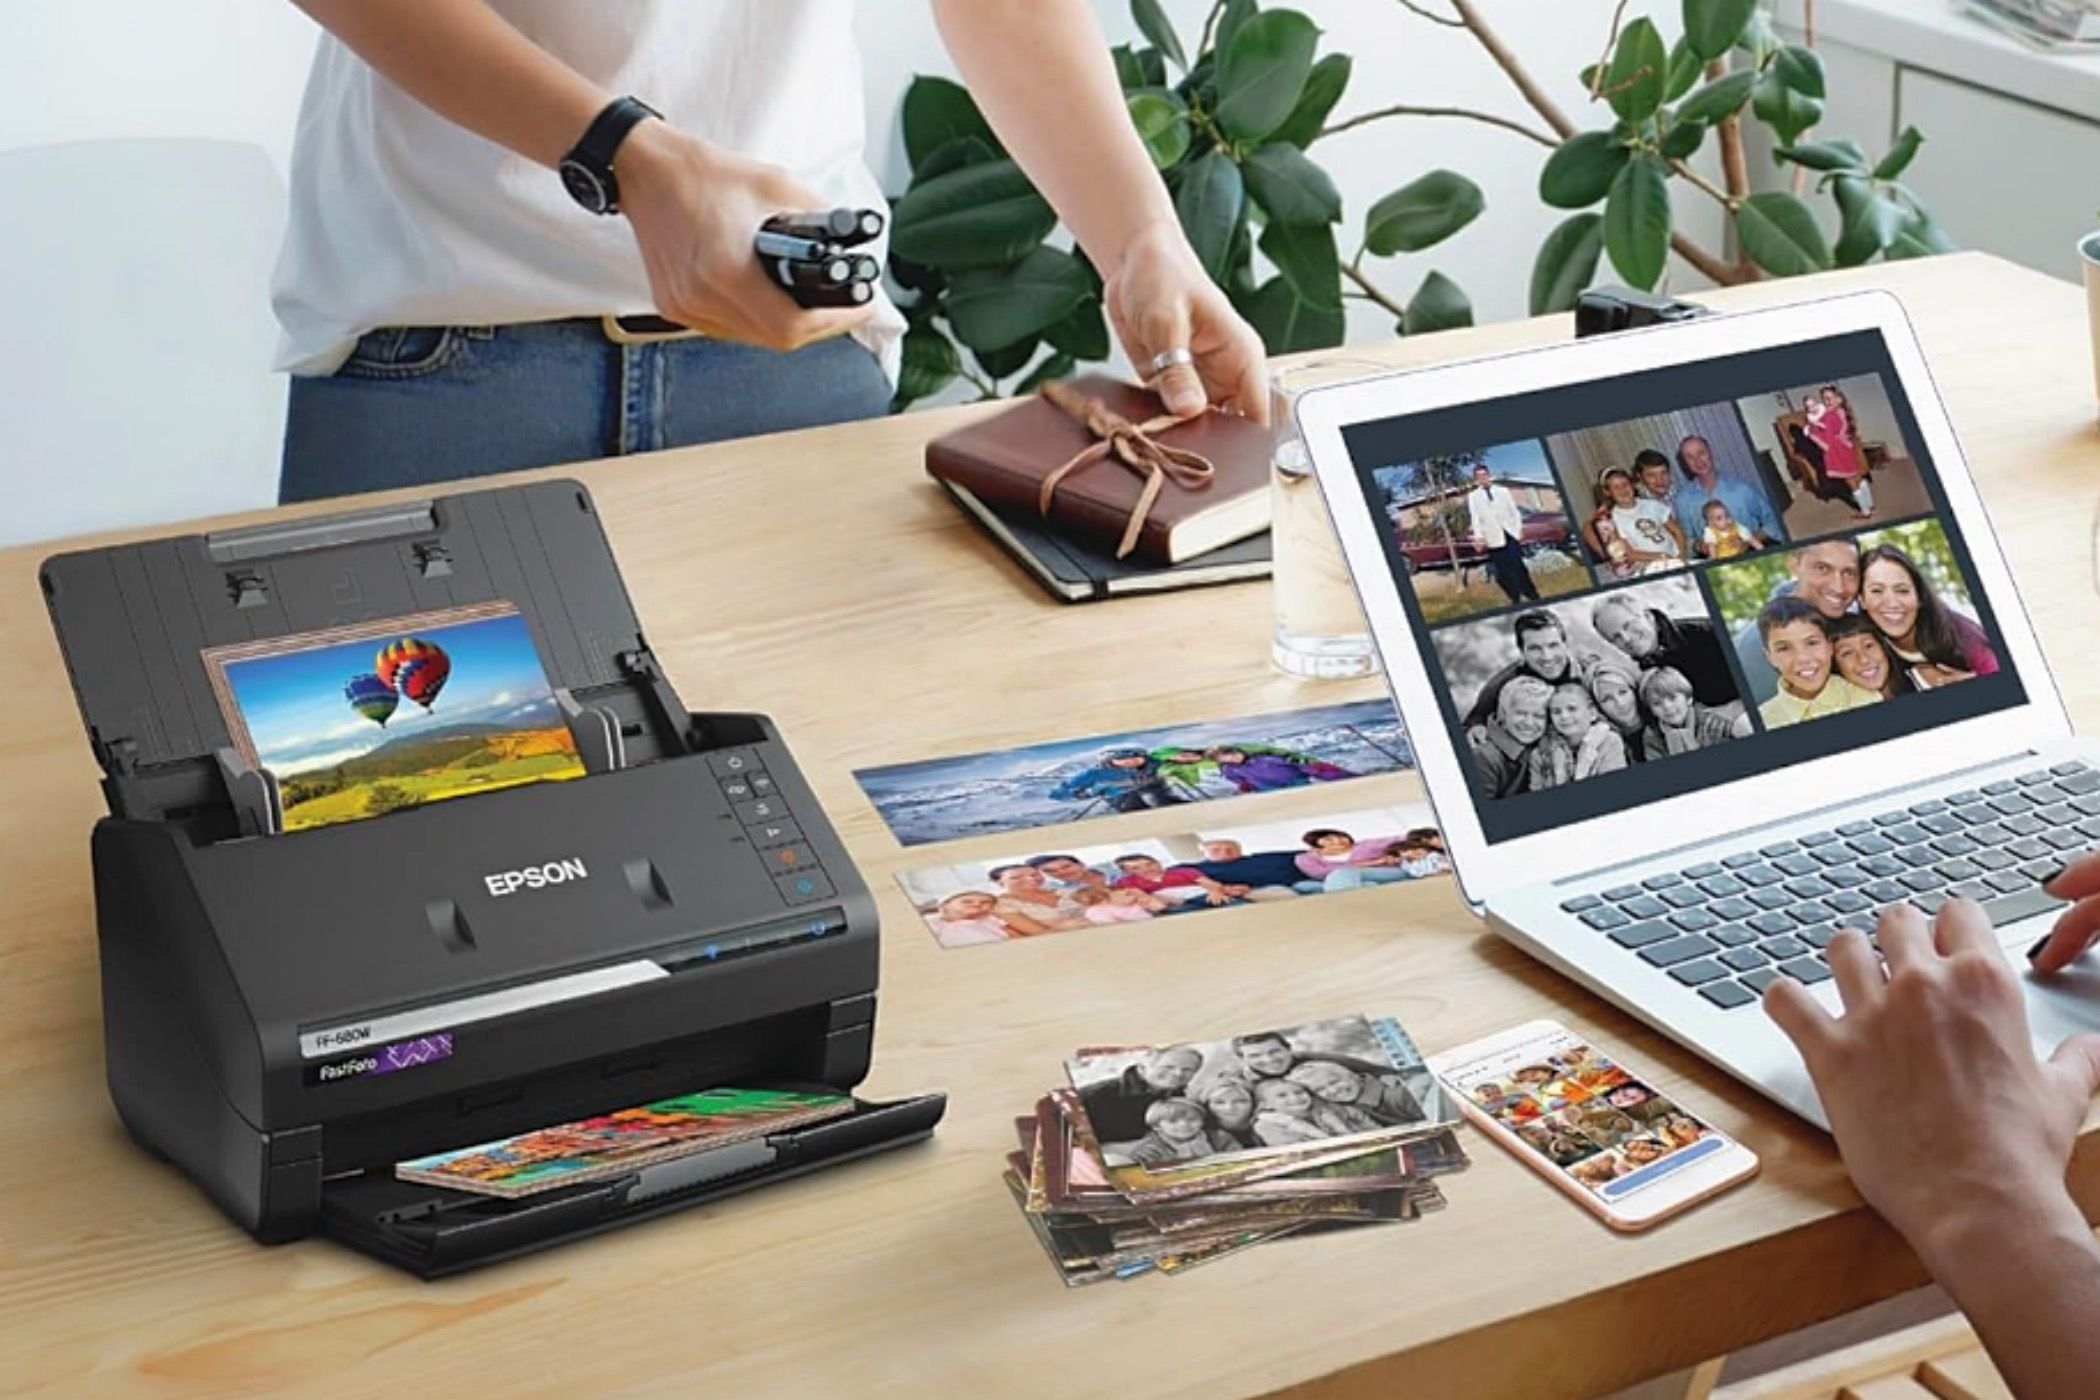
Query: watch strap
{"points": [[601, 140]]}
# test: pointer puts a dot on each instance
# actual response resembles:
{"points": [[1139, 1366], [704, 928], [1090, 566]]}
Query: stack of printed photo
{"points": [[1154, 1159]]}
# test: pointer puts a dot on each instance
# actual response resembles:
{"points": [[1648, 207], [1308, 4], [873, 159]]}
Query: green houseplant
{"points": [[1231, 124]]}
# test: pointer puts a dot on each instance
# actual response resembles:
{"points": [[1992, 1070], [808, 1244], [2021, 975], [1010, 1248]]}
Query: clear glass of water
{"points": [[1320, 631]]}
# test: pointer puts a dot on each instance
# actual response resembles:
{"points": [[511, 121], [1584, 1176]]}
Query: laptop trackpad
{"points": [[2063, 1002]]}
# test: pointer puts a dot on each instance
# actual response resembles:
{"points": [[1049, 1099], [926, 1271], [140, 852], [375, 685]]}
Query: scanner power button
{"points": [[732, 762], [803, 886]]}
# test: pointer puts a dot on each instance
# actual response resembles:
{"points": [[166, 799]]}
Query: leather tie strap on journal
{"points": [[1131, 445]]}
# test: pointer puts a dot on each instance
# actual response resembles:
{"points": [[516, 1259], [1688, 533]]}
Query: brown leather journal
{"points": [[1004, 459]]}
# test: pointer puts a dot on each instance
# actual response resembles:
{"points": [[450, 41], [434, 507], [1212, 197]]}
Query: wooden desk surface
{"points": [[821, 578]]}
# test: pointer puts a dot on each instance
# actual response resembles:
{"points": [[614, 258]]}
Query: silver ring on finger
{"points": [[1167, 359]]}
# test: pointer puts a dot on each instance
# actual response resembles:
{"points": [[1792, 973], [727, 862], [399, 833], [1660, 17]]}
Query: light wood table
{"points": [[821, 578]]}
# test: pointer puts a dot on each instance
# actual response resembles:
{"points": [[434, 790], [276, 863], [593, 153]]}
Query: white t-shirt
{"points": [[399, 217], [1645, 526]]}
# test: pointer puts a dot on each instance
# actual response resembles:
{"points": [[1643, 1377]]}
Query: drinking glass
{"points": [[1320, 631]]}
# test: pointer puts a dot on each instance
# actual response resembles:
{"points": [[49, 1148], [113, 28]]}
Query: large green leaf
{"points": [[1437, 305], [1210, 203], [1921, 236], [1007, 359], [1685, 68], [1787, 112], [1711, 27], [1580, 172], [1637, 220], [1262, 72], [1323, 88], [1801, 69], [1286, 323], [1055, 366], [1780, 234], [929, 365], [1638, 73], [1230, 21], [1825, 155], [1082, 333], [1682, 140], [1718, 98], [1291, 189], [1162, 122], [1424, 211], [984, 215], [1901, 154], [1304, 254], [953, 155], [1152, 22], [1868, 220], [1566, 262], [994, 308], [937, 111]]}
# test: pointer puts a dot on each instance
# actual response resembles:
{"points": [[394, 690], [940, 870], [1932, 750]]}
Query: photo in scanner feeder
{"points": [[358, 721]]}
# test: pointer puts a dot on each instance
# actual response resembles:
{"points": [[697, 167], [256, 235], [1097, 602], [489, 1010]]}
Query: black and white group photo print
{"points": [[1562, 692]]}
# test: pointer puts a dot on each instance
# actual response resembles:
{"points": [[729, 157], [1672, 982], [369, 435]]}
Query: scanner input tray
{"points": [[432, 1232]]}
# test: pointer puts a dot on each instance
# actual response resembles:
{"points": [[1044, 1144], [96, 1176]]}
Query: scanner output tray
{"points": [[433, 1232]]}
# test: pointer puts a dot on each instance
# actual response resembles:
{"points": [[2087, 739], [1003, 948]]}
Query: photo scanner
{"points": [[288, 1014]]}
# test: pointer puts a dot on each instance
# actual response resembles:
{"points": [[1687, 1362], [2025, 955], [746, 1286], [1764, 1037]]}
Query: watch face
{"points": [[585, 187]]}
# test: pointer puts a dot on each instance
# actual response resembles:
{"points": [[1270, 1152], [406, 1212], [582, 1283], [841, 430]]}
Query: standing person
{"points": [[1830, 426], [1498, 523], [1936, 645], [444, 299], [1743, 504]]}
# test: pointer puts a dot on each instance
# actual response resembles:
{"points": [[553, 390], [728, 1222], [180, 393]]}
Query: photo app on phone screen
{"points": [[1588, 1116]]}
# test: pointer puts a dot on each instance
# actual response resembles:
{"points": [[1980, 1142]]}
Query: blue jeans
{"points": [[1351, 877], [421, 404]]}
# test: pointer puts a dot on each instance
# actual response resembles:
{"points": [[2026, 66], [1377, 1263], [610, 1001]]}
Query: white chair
{"points": [[135, 382]]}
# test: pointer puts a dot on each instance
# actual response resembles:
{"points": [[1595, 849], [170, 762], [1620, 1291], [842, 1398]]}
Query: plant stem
{"points": [[1507, 62], [1721, 273], [1611, 41], [1371, 291], [1406, 110], [1700, 182], [1210, 27], [1735, 169]]}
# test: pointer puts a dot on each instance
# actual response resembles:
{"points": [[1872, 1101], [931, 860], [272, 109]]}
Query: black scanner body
{"points": [[286, 1016]]}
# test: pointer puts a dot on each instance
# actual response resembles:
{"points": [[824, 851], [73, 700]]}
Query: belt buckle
{"points": [[644, 330]]}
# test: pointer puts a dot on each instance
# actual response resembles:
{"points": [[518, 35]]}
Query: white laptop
{"points": [[1673, 746]]}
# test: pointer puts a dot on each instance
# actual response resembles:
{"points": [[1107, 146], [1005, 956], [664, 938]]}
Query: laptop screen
{"points": [[1632, 589]]}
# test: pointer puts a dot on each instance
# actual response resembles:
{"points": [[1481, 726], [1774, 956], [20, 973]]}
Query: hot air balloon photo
{"points": [[323, 713], [372, 697]]}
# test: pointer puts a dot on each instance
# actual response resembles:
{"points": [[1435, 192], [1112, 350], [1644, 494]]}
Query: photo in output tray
{"points": [[355, 722]]}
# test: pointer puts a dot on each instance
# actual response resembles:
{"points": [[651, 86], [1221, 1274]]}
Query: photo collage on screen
{"points": [[1589, 1117], [1623, 593]]}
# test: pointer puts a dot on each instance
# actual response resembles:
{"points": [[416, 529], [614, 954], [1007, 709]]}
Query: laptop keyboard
{"points": [[1729, 927]]}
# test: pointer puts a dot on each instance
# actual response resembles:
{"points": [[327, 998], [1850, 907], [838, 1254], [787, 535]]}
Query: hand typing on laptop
{"points": [[1955, 1133], [2078, 928]]}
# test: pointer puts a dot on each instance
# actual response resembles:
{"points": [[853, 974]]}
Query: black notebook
{"points": [[1075, 573]]}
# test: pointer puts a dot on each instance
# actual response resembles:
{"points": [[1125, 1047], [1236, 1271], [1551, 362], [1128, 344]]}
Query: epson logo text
{"points": [[536, 877]]}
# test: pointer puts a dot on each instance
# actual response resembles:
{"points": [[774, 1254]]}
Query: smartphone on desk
{"points": [[1591, 1125]]}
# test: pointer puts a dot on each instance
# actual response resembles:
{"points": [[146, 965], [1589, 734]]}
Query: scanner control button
{"points": [[778, 833], [804, 886], [762, 784], [782, 858], [738, 789], [732, 762], [759, 810]]}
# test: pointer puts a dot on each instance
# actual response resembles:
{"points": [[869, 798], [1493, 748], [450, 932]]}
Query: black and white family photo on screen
{"points": [[1552, 695]]}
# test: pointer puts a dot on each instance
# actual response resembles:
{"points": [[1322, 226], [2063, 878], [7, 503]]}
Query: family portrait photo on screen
{"points": [[1841, 459], [1556, 694], [1852, 620], [1661, 492]]}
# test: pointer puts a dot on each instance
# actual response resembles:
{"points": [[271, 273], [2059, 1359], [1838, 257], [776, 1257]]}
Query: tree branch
{"points": [[1371, 292], [1507, 62], [1720, 273], [1431, 15], [1700, 182], [1406, 110], [1735, 169]]}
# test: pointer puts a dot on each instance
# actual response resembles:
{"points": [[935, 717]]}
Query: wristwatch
{"points": [[587, 171]]}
